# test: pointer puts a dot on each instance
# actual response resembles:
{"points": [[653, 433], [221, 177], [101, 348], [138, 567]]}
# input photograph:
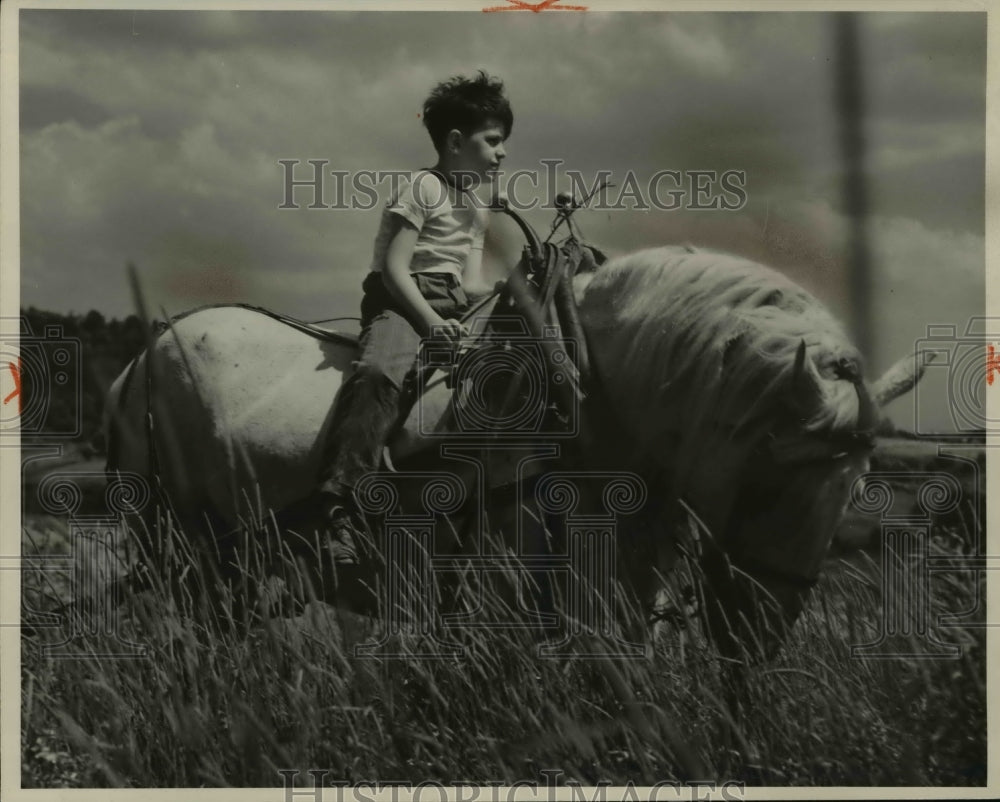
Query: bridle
{"points": [[538, 292]]}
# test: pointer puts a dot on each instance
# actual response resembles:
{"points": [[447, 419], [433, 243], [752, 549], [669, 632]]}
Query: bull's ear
{"points": [[805, 391], [803, 382], [798, 371]]}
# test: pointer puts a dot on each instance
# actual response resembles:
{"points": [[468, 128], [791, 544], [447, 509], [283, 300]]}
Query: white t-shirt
{"points": [[451, 225]]}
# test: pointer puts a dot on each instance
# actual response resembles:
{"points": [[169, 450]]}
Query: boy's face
{"points": [[479, 152]]}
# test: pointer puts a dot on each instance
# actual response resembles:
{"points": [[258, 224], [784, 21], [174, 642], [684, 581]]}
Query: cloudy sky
{"points": [[155, 137]]}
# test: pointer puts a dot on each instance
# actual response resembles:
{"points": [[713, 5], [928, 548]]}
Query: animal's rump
{"points": [[241, 405]]}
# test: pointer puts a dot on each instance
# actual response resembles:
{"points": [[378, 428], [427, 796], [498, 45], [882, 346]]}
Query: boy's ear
{"points": [[453, 142]]}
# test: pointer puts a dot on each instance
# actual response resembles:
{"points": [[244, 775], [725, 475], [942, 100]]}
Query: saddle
{"points": [[523, 376]]}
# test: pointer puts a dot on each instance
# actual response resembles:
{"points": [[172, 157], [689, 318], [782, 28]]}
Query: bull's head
{"points": [[761, 561]]}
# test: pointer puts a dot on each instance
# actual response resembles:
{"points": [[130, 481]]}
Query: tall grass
{"points": [[218, 703]]}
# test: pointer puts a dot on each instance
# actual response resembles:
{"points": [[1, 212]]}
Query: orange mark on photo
{"points": [[15, 371], [992, 363], [542, 5]]}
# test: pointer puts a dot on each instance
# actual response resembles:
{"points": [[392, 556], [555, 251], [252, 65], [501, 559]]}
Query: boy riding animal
{"points": [[429, 242]]}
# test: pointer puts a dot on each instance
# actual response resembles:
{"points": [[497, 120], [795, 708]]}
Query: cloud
{"points": [[928, 277], [155, 136], [41, 105], [174, 208], [950, 46], [702, 52]]}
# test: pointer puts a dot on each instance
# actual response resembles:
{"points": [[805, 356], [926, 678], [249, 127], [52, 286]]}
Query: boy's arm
{"points": [[399, 282]]}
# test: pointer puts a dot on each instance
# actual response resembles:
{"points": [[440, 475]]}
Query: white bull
{"points": [[722, 383]]}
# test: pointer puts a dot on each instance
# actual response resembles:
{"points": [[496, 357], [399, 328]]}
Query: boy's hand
{"points": [[449, 330]]}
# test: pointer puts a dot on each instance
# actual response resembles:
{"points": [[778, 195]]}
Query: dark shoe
{"points": [[323, 518], [342, 574], [342, 527]]}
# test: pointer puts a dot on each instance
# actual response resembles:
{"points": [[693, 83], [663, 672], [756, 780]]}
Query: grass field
{"points": [[218, 706]]}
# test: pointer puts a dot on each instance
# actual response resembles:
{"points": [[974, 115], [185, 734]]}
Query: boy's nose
{"points": [[500, 152]]}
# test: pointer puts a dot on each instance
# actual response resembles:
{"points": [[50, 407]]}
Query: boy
{"points": [[431, 234]]}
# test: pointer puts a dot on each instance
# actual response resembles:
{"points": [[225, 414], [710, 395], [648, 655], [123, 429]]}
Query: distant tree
{"points": [[94, 329], [105, 348], [93, 321], [133, 337]]}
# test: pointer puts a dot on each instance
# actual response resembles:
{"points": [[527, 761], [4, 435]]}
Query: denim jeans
{"points": [[368, 407]]}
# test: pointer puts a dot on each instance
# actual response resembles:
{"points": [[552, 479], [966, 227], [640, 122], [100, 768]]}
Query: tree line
{"points": [[67, 364], [70, 360]]}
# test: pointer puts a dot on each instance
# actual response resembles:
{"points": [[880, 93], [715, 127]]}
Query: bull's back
{"points": [[240, 406]]}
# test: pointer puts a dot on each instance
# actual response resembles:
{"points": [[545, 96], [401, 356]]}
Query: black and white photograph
{"points": [[495, 399]]}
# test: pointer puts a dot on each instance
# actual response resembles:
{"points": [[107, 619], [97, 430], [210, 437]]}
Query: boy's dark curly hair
{"points": [[466, 104]]}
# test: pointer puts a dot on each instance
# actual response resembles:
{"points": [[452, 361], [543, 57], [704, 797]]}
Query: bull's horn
{"points": [[900, 378], [800, 361]]}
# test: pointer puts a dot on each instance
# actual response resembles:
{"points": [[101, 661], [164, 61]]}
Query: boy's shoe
{"points": [[342, 528], [328, 515]]}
